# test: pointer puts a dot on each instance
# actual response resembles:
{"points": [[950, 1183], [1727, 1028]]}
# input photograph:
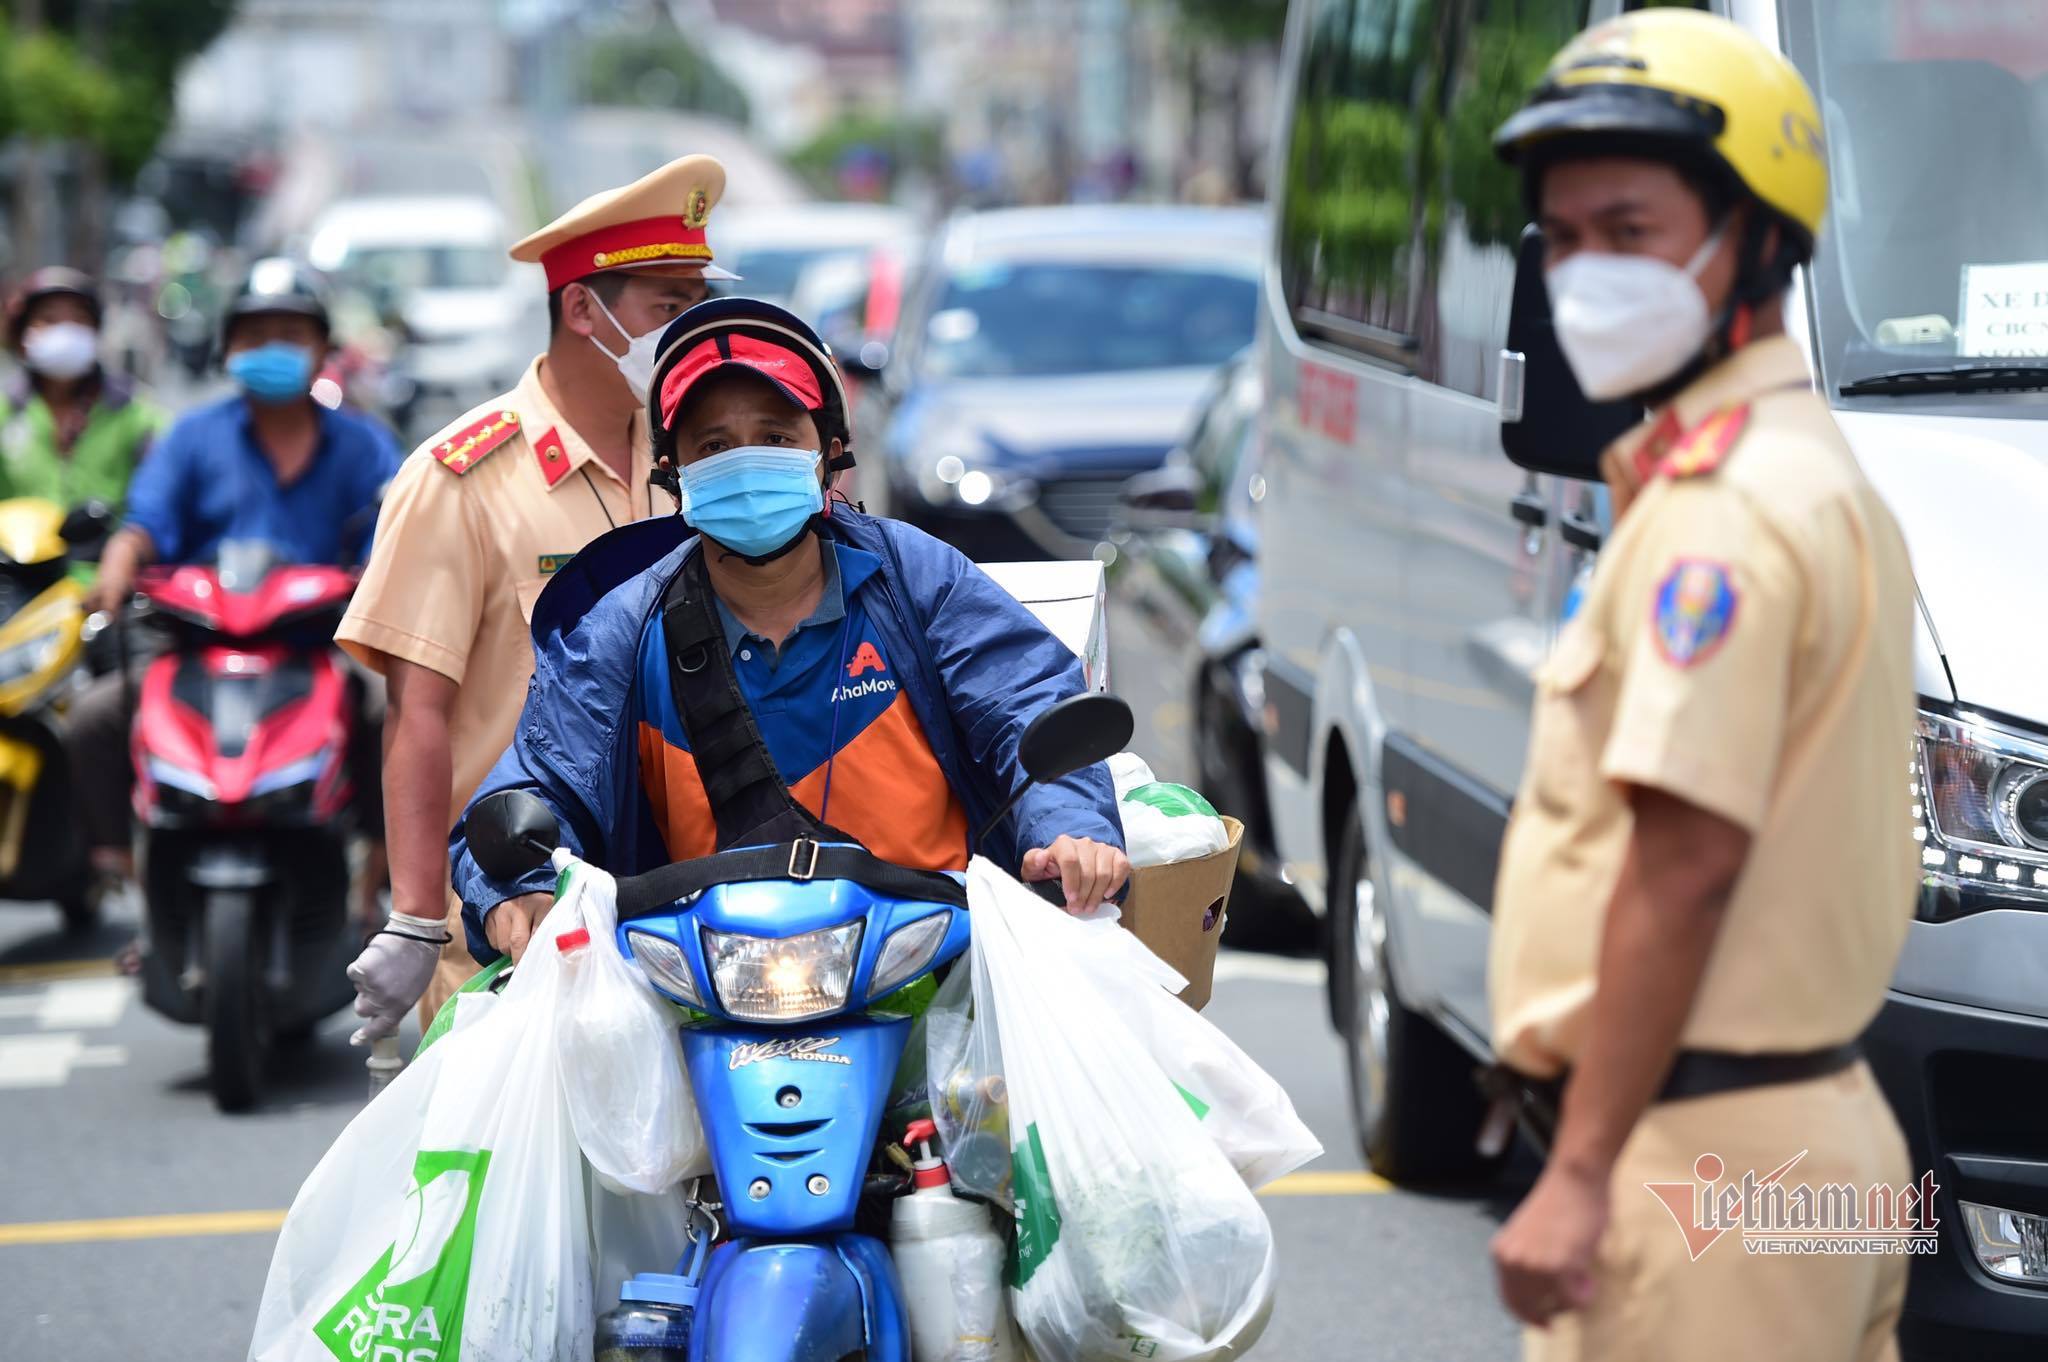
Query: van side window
{"points": [[1497, 54], [1351, 212]]}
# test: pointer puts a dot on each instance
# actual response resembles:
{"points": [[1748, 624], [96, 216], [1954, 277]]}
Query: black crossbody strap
{"points": [[750, 803], [657, 890]]}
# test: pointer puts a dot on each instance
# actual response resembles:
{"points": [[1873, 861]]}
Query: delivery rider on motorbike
{"points": [[888, 678]]}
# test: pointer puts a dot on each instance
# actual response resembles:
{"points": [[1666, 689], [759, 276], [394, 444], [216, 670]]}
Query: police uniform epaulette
{"points": [[465, 448], [1705, 447]]}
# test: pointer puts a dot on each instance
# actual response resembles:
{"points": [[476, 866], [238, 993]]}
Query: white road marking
{"points": [[46, 1060], [1273, 969], [83, 1004]]}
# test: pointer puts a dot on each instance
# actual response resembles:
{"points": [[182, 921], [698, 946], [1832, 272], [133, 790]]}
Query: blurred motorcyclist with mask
{"points": [[267, 464], [70, 432]]}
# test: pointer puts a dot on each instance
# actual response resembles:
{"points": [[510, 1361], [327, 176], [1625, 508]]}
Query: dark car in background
{"points": [[1047, 355]]}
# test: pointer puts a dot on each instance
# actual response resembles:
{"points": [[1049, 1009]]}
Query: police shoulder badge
{"points": [[1694, 612]]}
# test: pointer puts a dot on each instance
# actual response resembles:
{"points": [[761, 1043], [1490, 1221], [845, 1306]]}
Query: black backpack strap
{"points": [[657, 890], [750, 803]]}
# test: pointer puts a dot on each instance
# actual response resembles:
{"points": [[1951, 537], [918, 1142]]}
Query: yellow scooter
{"points": [[42, 646]]}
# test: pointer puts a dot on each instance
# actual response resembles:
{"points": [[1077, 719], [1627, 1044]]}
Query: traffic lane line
{"points": [[214, 1223], [46, 971], [201, 1224], [1328, 1182]]}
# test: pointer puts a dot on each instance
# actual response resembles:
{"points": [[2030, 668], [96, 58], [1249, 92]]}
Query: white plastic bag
{"points": [[1135, 1235], [449, 1222], [1165, 823], [1241, 1106], [1127, 771], [622, 1066]]}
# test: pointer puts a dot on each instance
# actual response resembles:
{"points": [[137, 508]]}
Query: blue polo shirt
{"points": [[207, 480], [843, 736]]}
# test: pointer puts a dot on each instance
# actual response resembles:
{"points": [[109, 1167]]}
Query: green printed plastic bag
{"points": [[1175, 801], [480, 985], [412, 1298], [450, 1222]]}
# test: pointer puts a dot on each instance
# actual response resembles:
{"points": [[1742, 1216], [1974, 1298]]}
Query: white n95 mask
{"points": [[1628, 322], [637, 364]]}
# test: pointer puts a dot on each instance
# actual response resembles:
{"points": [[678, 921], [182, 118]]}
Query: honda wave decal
{"points": [[808, 1048]]}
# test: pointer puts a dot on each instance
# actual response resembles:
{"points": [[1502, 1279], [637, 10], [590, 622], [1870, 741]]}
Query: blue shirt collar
{"points": [[845, 570]]}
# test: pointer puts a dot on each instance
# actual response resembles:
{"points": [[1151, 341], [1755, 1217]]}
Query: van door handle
{"points": [[1528, 508], [1581, 532]]}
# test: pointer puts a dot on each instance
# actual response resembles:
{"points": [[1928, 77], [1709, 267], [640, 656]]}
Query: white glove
{"points": [[392, 973]]}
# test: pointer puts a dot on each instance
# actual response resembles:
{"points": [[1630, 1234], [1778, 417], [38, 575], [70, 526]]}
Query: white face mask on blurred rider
{"points": [[61, 350], [637, 364], [1628, 322]]}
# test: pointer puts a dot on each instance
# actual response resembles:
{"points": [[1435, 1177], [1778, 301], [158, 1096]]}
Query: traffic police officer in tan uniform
{"points": [[1710, 869], [476, 521]]}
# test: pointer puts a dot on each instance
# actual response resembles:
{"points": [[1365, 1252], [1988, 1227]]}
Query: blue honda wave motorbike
{"points": [[784, 951]]}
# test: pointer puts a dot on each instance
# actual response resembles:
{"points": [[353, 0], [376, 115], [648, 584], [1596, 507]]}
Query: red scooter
{"points": [[244, 805]]}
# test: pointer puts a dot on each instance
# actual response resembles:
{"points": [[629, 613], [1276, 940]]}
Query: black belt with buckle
{"points": [[1534, 1102]]}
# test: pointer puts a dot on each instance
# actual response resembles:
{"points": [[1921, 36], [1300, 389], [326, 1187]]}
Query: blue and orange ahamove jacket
{"points": [[922, 690]]}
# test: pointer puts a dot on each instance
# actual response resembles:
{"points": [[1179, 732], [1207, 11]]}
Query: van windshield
{"points": [[1933, 264]]}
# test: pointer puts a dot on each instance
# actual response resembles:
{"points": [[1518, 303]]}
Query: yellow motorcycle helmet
{"points": [[1689, 85]]}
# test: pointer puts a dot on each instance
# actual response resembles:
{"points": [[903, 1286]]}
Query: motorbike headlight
{"points": [[907, 951], [665, 966], [1980, 811], [178, 778], [773, 979], [26, 658]]}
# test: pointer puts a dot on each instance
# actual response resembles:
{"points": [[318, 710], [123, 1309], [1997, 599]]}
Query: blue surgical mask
{"points": [[753, 500], [273, 372]]}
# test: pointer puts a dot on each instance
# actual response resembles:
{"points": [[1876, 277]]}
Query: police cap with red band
{"points": [[658, 220], [746, 333]]}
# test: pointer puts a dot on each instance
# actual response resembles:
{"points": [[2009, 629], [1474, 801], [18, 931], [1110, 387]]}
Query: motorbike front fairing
{"points": [[792, 1070]]}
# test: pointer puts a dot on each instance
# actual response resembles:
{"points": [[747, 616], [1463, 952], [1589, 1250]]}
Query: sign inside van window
{"points": [[2005, 310]]}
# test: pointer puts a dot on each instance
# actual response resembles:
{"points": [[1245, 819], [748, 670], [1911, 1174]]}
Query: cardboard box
{"points": [[1178, 911], [1070, 598]]}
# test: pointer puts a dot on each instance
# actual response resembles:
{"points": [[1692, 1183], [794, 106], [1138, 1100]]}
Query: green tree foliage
{"points": [[104, 72], [47, 90], [658, 68], [1236, 23]]}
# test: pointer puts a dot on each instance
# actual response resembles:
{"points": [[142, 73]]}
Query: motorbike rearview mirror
{"points": [[1078, 731], [85, 523], [1547, 425], [1173, 489], [511, 834]]}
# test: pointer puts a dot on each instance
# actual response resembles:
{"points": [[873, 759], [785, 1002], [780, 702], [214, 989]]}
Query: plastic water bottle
{"points": [[949, 1259], [651, 1322]]}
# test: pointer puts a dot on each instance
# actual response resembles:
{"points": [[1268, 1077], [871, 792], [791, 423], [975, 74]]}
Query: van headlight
{"points": [[1980, 813], [780, 979]]}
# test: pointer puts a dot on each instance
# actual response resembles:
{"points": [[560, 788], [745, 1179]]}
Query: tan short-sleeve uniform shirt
{"points": [[1745, 645], [466, 541]]}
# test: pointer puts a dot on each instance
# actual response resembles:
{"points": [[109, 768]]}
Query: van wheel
{"points": [[1414, 1103]]}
